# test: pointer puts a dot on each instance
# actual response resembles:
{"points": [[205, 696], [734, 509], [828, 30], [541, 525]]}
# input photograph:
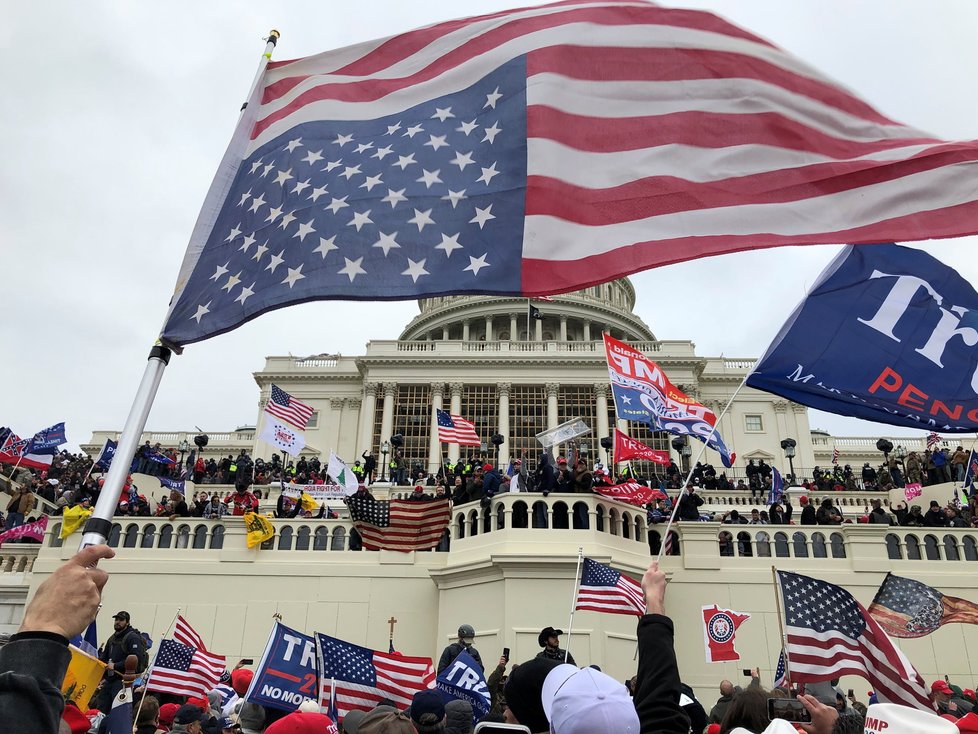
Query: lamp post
{"points": [[607, 443], [681, 444], [497, 440], [789, 451], [385, 448], [184, 446]]}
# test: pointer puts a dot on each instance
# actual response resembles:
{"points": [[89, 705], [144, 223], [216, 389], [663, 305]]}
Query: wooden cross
{"points": [[392, 622]]}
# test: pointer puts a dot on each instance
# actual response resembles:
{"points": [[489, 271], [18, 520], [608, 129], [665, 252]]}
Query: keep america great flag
{"points": [[541, 150]]}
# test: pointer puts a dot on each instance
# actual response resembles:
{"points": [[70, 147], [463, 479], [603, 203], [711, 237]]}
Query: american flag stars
{"points": [[344, 202]]}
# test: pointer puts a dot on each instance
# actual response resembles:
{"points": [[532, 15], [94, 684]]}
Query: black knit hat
{"points": [[523, 692]]}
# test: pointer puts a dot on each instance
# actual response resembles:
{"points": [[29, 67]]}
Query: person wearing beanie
{"points": [[241, 680], [351, 722], [303, 723], [466, 636], [807, 511], [167, 712], [523, 691], [251, 718], [458, 717], [428, 712], [384, 720]]}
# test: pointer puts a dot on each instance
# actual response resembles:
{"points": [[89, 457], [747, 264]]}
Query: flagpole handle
{"points": [[99, 525]]}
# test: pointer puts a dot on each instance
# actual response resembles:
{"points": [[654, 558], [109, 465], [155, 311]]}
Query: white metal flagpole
{"points": [[99, 525], [577, 589]]}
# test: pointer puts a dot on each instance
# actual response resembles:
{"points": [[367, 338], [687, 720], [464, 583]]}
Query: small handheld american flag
{"points": [[285, 407], [604, 589]]}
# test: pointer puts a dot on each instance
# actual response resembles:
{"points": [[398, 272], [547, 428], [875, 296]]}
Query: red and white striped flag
{"points": [[933, 440], [603, 589], [285, 407], [455, 429], [593, 140], [830, 634], [835, 456], [183, 666]]}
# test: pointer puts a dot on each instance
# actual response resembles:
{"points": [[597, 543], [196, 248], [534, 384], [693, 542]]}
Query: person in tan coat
{"points": [[19, 507]]}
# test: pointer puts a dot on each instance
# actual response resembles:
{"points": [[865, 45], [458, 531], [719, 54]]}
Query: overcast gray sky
{"points": [[118, 113]]}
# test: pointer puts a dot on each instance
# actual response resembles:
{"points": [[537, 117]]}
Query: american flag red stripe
{"points": [[285, 407], [411, 526], [805, 162], [461, 432], [203, 674], [603, 589], [830, 634]]}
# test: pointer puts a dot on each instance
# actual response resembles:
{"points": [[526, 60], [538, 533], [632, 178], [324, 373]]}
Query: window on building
{"points": [[528, 417], [313, 420], [480, 405], [577, 401], [753, 423], [412, 419]]}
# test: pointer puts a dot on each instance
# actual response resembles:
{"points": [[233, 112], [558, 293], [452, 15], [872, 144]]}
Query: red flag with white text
{"points": [[627, 448]]}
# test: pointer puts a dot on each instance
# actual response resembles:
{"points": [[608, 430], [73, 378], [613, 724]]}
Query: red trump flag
{"points": [[627, 448]]}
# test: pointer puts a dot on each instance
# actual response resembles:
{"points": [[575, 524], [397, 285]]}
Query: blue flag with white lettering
{"points": [[465, 681], [104, 460], [887, 333], [971, 473], [47, 440], [777, 487], [178, 485], [286, 674]]}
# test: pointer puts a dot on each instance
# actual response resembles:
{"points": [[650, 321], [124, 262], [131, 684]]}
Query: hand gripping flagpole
{"points": [[692, 467], [577, 590], [100, 523]]}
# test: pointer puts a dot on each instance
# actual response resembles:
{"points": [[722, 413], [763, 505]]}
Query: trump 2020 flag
{"points": [[883, 335], [282, 437], [719, 632], [776, 492], [104, 459], [464, 680], [47, 440], [541, 150], [643, 393]]}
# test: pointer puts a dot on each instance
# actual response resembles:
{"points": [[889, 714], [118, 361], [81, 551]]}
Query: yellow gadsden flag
{"points": [[308, 503], [259, 529], [74, 518], [83, 676]]}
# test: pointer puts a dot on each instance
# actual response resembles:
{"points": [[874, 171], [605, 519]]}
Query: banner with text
{"points": [[286, 674], [627, 448], [887, 333]]}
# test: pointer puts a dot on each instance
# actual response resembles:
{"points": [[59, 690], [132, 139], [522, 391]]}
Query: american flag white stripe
{"points": [[287, 408], [413, 526], [462, 432], [596, 592], [204, 672]]}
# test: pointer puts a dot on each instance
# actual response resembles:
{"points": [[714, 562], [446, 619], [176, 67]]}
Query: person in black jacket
{"points": [[689, 505], [657, 685], [807, 512]]}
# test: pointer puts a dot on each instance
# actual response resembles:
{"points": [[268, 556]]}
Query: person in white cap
{"points": [[585, 701], [891, 718]]}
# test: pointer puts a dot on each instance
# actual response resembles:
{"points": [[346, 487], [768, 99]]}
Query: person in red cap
{"points": [[303, 723], [807, 511], [940, 694], [241, 680], [167, 712]]}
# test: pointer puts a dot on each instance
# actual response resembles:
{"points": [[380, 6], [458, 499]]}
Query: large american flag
{"points": [[603, 589], [183, 666], [541, 150], [455, 429], [830, 634], [364, 677], [398, 524], [283, 406]]}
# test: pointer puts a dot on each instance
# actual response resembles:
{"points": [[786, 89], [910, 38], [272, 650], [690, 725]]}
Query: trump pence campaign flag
{"points": [[643, 393], [541, 150], [911, 320]]}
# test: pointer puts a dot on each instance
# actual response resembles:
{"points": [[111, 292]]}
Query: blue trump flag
{"points": [[104, 460], [178, 485], [286, 674], [47, 440], [887, 333], [971, 473], [464, 680]]}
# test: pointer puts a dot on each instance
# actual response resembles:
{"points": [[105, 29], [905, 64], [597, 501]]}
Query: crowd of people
{"points": [[545, 694]]}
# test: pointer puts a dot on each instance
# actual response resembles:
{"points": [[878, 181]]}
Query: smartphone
{"points": [[747, 672], [788, 709], [851, 694], [506, 653], [489, 727], [247, 661]]}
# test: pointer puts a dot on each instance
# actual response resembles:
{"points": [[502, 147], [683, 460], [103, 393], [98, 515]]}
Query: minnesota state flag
{"points": [[259, 529]]}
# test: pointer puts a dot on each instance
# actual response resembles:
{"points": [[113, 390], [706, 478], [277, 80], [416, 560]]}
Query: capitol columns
{"points": [[514, 334], [465, 330], [387, 417], [434, 445], [367, 409], [331, 429], [563, 327], [489, 334], [601, 408], [502, 390], [553, 390], [455, 388]]}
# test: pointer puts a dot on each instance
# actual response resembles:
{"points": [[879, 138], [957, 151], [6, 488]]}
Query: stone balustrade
{"points": [[17, 559]]}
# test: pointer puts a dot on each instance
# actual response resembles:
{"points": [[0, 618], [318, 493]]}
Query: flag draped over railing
{"points": [[542, 150]]}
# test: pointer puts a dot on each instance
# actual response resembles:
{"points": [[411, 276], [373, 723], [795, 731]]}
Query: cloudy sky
{"points": [[118, 113]]}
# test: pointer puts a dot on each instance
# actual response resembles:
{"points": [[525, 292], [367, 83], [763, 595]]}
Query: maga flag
{"points": [[908, 317], [541, 150], [908, 608], [631, 492], [643, 393], [627, 448]]}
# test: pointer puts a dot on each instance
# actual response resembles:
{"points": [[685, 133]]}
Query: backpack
{"points": [[144, 642]]}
